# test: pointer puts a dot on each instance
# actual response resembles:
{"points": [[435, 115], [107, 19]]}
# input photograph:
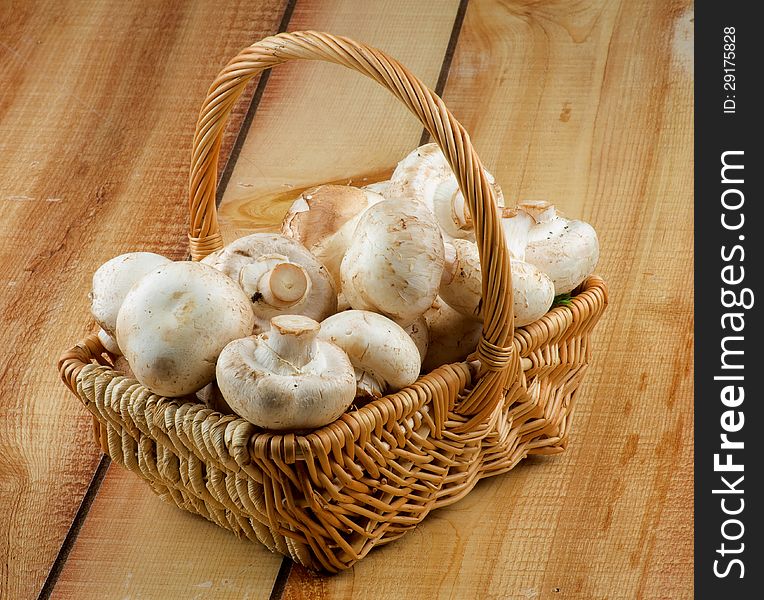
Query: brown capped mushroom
{"points": [[323, 219]]}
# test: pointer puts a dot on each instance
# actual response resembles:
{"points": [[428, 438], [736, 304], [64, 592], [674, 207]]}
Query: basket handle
{"points": [[498, 359]]}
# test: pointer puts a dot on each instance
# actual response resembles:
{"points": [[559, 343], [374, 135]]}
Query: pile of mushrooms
{"points": [[362, 291]]}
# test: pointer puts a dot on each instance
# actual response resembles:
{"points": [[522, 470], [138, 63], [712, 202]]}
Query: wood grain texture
{"points": [[587, 104], [289, 146], [320, 122], [179, 555], [96, 112]]}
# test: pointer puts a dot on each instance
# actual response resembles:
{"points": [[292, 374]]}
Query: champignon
{"points": [[279, 275], [323, 219], [426, 176], [453, 336], [111, 282], [286, 378], [275, 282], [385, 358], [418, 332], [395, 261], [516, 224], [210, 395], [380, 187], [175, 321], [566, 250], [461, 285], [109, 343]]}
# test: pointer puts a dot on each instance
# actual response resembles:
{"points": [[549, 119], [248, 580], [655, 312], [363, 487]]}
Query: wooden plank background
{"points": [[97, 107], [586, 103]]}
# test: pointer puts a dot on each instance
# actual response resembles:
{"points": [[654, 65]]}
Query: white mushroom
{"points": [[385, 358], [516, 224], [532, 292], [394, 263], [113, 280], [418, 332], [566, 250], [453, 336], [279, 275], [323, 220], [380, 187], [175, 321], [461, 285], [425, 175], [109, 343], [211, 396], [286, 378]]}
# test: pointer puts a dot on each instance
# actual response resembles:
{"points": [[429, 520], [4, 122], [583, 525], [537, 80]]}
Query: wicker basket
{"points": [[327, 498]]}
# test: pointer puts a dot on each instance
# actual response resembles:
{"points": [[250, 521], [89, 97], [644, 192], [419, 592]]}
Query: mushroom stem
{"points": [[451, 210], [277, 282], [286, 282], [290, 344]]}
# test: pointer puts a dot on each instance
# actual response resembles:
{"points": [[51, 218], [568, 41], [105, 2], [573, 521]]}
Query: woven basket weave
{"points": [[326, 498]]}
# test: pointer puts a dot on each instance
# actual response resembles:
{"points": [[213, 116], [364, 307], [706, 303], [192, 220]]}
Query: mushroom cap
{"points": [[568, 258], [113, 279], [323, 219], [319, 302], [395, 261], [109, 343], [418, 332], [461, 286], [175, 321], [566, 250], [532, 292], [453, 336], [380, 187], [286, 378], [385, 358], [425, 175]]}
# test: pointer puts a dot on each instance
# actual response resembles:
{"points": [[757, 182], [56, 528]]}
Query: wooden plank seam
{"points": [[105, 461], [447, 58], [76, 526], [233, 156]]}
